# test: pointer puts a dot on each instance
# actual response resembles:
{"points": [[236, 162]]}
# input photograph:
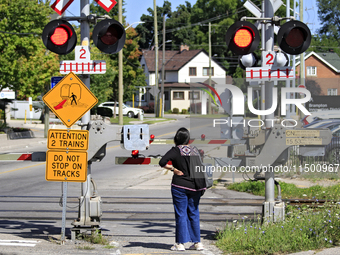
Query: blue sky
{"points": [[135, 8]]}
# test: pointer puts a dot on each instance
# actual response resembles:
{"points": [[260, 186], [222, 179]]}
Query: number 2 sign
{"points": [[268, 58], [82, 53]]}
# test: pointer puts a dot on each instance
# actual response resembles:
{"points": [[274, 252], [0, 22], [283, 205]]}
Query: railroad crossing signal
{"points": [[70, 99], [242, 38], [294, 37], [109, 36], [59, 37]]}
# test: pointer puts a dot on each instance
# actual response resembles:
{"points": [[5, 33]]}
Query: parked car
{"points": [[329, 123], [128, 111]]}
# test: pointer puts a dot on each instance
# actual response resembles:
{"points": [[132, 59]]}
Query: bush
{"points": [[175, 110], [150, 108], [184, 111]]}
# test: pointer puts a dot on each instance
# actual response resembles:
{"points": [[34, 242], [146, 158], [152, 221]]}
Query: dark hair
{"points": [[182, 136]]}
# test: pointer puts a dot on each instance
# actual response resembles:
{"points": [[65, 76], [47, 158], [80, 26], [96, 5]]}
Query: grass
{"points": [[304, 228], [289, 190]]}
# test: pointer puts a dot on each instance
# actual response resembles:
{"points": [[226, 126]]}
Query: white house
{"points": [[182, 71]]}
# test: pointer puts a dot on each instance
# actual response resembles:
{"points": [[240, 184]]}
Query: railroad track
{"points": [[126, 208]]}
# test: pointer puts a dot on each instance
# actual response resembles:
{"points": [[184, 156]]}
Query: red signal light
{"points": [[109, 36], [243, 38], [135, 153], [60, 36], [294, 37], [152, 137]]}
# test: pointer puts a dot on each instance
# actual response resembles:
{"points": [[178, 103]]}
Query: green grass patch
{"points": [[289, 190], [304, 229], [96, 238], [146, 121]]}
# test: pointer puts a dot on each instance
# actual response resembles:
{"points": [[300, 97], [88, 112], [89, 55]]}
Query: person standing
{"points": [[186, 190]]}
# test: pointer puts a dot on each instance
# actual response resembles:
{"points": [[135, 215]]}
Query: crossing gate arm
{"points": [[34, 156]]}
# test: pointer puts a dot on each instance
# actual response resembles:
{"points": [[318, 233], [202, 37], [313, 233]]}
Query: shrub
{"points": [[150, 108], [175, 110], [184, 111]]}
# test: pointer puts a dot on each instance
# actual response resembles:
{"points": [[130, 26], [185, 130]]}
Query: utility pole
{"points": [[120, 69], [209, 98], [302, 59], [84, 210], [269, 86], [156, 55], [288, 81], [163, 71]]}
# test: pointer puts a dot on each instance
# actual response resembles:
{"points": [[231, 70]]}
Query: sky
{"points": [[136, 8]]}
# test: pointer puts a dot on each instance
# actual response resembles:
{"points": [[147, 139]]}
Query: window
{"points": [[192, 71], [332, 92], [178, 95], [311, 70], [206, 71], [194, 95]]}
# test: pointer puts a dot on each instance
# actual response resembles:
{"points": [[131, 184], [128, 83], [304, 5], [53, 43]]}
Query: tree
{"points": [[25, 66], [329, 14], [146, 30]]}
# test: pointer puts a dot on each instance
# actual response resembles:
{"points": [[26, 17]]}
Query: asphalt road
{"points": [[137, 207]]}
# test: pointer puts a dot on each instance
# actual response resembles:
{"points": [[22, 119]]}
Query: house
{"points": [[183, 69], [324, 70]]}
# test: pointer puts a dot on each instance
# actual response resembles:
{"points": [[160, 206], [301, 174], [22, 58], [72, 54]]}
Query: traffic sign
{"points": [[81, 67], [55, 80], [66, 166], [269, 73], [70, 99], [106, 4], [59, 6], [68, 139]]}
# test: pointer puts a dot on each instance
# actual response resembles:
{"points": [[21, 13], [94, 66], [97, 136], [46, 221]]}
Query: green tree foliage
{"points": [[329, 15], [25, 66]]}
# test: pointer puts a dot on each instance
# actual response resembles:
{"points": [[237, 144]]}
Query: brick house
{"points": [[180, 67], [324, 69]]}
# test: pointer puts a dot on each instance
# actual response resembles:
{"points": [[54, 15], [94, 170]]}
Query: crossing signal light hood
{"points": [[109, 36], [242, 38], [294, 37], [59, 37]]}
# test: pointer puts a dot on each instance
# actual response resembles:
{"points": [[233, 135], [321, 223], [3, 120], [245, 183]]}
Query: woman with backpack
{"points": [[186, 190]]}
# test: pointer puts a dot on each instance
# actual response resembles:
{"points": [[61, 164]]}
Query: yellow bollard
{"points": [[25, 116]]}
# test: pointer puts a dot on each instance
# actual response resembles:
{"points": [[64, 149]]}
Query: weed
{"points": [[96, 238], [85, 247]]}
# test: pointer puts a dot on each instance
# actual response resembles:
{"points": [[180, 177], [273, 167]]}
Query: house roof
{"points": [[331, 59], [174, 60]]}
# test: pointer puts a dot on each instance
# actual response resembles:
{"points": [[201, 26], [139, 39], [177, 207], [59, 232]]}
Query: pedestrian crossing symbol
{"points": [[70, 99]]}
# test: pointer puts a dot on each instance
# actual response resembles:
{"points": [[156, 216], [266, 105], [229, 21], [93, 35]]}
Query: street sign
{"points": [[269, 74], [59, 6], [68, 139], [82, 53], [303, 133], [55, 80], [70, 99], [66, 166], [81, 67], [106, 4]]}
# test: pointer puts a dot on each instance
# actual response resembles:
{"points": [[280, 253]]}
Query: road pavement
{"points": [[134, 236]]}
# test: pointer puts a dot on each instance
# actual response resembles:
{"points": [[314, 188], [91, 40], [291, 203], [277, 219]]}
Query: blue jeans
{"points": [[187, 214]]}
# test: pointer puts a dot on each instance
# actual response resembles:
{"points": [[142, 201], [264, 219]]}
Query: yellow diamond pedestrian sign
{"points": [[70, 99]]}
